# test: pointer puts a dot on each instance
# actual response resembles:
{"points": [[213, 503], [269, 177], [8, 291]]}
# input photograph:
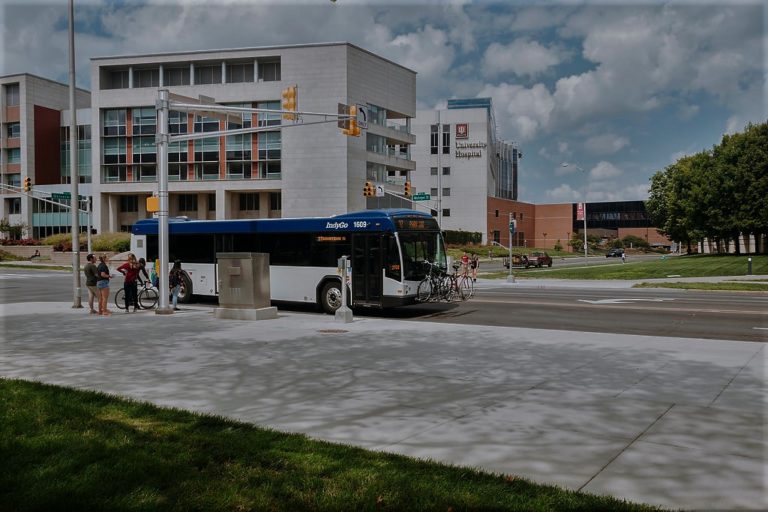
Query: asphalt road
{"points": [[655, 312]]}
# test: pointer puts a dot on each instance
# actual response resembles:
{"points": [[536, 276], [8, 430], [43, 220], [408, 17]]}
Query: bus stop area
{"points": [[673, 422]]}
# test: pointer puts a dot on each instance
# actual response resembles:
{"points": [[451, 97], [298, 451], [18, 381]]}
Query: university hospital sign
{"points": [[467, 149]]}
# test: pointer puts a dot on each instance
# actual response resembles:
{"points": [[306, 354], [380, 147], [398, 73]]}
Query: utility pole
{"points": [[162, 193], [73, 164]]}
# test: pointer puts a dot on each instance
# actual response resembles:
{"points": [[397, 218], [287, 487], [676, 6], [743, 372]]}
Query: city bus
{"points": [[387, 249]]}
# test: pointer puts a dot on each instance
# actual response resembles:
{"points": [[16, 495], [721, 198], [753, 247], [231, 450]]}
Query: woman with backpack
{"points": [[174, 281]]}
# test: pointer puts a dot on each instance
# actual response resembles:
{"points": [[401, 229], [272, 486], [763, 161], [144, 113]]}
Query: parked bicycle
{"points": [[440, 285], [148, 297]]}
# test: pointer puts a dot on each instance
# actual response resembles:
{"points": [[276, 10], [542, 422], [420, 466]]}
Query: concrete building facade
{"points": [[301, 170], [463, 166]]}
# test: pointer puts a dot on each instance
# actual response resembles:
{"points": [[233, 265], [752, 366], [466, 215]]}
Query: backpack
{"points": [[173, 279]]}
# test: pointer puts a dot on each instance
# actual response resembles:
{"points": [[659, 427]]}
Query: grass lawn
{"points": [[677, 266], [727, 286], [63, 449]]}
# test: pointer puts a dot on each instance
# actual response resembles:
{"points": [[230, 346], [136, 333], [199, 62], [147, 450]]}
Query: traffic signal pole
{"points": [[162, 192]]}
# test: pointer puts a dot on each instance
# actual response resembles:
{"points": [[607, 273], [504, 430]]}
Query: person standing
{"points": [[623, 257], [174, 281], [130, 269], [91, 278], [102, 284], [465, 263], [474, 262]]}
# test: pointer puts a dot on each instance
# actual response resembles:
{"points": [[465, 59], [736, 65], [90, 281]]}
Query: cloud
{"points": [[605, 144], [604, 170], [564, 193], [610, 191], [521, 57], [522, 111]]}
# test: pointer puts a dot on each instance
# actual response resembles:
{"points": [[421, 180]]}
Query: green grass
{"points": [[677, 266], [456, 252], [726, 286], [72, 450], [7, 256]]}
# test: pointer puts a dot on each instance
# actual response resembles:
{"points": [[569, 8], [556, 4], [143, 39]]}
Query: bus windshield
{"points": [[419, 247]]}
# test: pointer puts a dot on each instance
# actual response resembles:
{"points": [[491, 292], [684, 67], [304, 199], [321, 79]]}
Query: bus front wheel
{"points": [[330, 297]]}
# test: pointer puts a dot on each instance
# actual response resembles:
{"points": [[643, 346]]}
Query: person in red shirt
{"points": [[464, 264], [130, 269]]}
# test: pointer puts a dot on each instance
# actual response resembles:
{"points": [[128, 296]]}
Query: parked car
{"points": [[538, 259], [614, 253]]}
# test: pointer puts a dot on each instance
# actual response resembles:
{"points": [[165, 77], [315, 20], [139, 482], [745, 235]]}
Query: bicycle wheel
{"points": [[148, 298], [120, 298], [424, 291], [463, 288]]}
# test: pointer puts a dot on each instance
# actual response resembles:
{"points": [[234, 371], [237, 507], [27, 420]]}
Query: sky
{"points": [[616, 91]]}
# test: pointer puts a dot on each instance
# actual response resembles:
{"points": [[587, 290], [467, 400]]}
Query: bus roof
{"points": [[367, 220]]}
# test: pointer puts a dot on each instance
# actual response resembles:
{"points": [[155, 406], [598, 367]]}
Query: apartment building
{"points": [[302, 170]]}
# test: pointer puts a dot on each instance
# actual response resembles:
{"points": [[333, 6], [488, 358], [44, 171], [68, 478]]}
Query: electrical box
{"points": [[243, 280]]}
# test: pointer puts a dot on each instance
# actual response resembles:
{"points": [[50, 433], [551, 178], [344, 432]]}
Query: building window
{"points": [[239, 73], [177, 122], [176, 76], [145, 172], [433, 191], [207, 150], [177, 172], [270, 170], [433, 171], [269, 71], [497, 213], [521, 215], [446, 212], [187, 202], [114, 173], [266, 119], [129, 204], [269, 153], [446, 192], [207, 75], [114, 123], [239, 148], [211, 202], [206, 124], [144, 151], [497, 236], [11, 95], [14, 130], [446, 171], [14, 205], [433, 139], [14, 155], [446, 139], [207, 171], [275, 201], [249, 201], [116, 79], [144, 121], [238, 170], [146, 77]]}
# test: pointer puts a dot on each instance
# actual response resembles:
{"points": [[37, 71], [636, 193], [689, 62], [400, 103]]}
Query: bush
{"points": [[23, 241], [617, 244], [462, 237], [558, 246], [635, 242], [105, 242], [7, 256]]}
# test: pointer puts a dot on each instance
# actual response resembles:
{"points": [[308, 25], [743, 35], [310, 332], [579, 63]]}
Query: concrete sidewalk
{"points": [[672, 422]]}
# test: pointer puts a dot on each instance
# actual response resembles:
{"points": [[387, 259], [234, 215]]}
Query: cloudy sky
{"points": [[617, 91]]}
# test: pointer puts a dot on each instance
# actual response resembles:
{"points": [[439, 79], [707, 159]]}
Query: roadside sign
{"points": [[60, 195], [421, 196], [512, 227], [362, 116], [379, 191], [580, 211]]}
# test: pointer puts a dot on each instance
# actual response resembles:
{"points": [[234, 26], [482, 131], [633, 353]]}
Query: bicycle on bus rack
{"points": [[148, 296], [439, 285]]}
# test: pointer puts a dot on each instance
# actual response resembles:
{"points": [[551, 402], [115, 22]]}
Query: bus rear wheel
{"points": [[330, 297]]}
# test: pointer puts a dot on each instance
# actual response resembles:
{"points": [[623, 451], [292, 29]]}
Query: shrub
{"points": [[113, 242], [462, 237], [23, 241], [7, 256], [558, 246], [635, 242]]}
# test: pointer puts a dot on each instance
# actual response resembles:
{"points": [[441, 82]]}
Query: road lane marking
{"points": [[627, 307], [623, 301], [761, 328]]}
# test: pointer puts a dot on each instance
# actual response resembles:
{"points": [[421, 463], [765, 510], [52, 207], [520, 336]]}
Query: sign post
{"points": [[343, 314], [512, 227], [581, 214]]}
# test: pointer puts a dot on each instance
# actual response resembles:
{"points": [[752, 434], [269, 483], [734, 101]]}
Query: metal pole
{"points": [[90, 223], [439, 174], [162, 192], [586, 262], [510, 277], [73, 171]]}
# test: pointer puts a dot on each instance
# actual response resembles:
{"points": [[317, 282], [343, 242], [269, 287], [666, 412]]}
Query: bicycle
{"points": [[430, 288], [147, 296]]}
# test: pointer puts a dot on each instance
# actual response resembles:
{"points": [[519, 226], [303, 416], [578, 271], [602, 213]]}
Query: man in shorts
{"points": [[91, 277]]}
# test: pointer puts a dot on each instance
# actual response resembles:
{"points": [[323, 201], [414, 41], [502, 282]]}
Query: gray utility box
{"points": [[243, 280]]}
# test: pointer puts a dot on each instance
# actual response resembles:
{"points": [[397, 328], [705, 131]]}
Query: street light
{"points": [[583, 212]]}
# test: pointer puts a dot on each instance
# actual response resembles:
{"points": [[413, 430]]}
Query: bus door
{"points": [[367, 263]]}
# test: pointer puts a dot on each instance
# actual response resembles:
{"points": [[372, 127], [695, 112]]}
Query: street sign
{"points": [[60, 195], [579, 211], [362, 116], [512, 227], [421, 196], [379, 191]]}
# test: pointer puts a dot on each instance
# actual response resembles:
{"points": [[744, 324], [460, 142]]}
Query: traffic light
{"points": [[350, 125], [290, 102], [369, 190], [408, 191], [27, 184]]}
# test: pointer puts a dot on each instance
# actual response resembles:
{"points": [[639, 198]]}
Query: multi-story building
{"points": [[31, 122], [464, 167], [302, 170]]}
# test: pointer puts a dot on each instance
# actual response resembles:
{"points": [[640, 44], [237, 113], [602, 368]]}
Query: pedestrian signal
{"points": [[290, 102], [27, 184], [408, 191], [369, 190]]}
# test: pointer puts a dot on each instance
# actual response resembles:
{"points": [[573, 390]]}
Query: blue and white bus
{"points": [[387, 249]]}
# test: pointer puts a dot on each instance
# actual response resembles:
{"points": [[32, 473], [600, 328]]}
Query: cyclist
{"points": [[142, 270]]}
